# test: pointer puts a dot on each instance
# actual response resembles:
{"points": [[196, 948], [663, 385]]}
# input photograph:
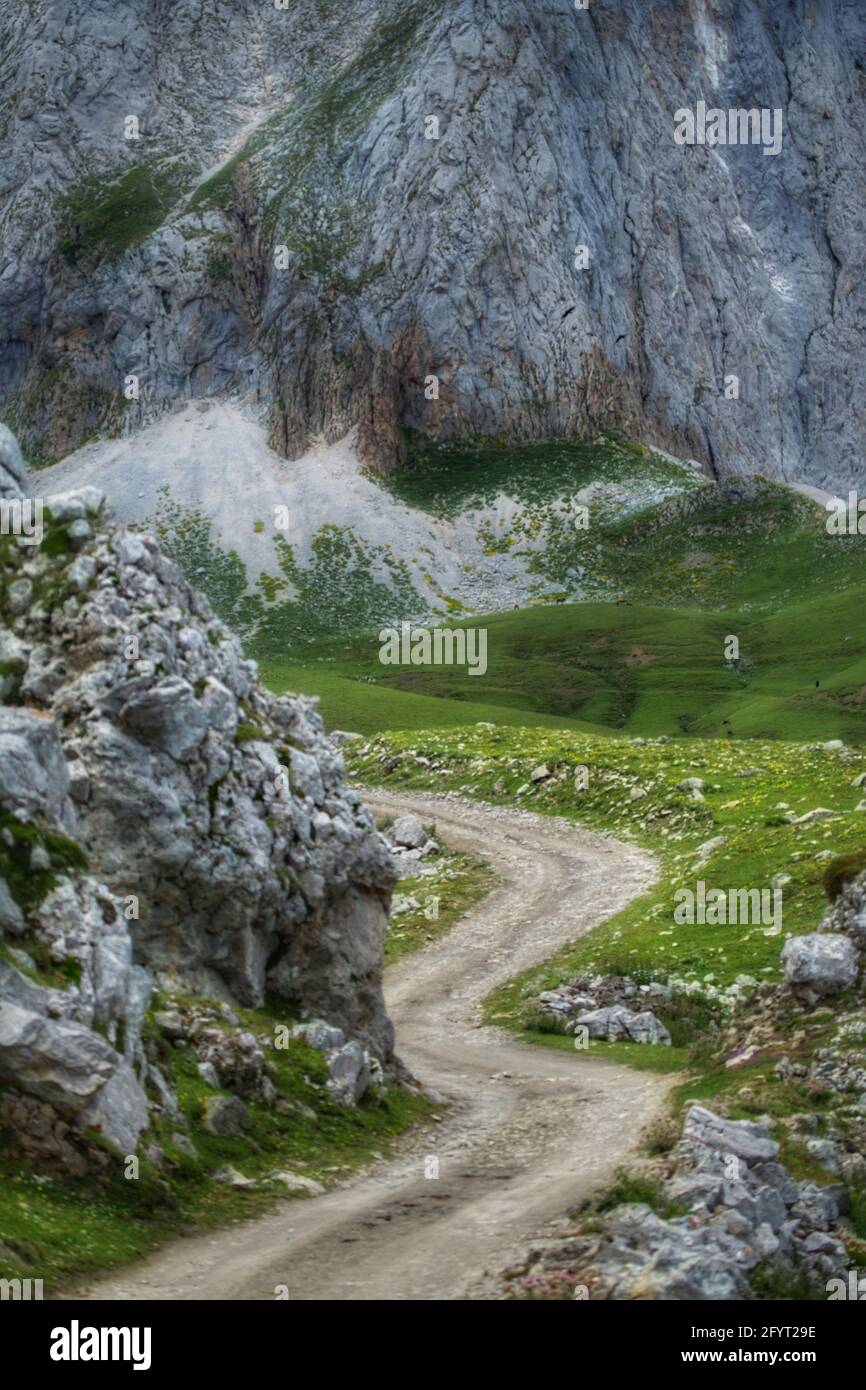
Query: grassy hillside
{"points": [[633, 791], [656, 532], [365, 703], [620, 624], [744, 544], [357, 554], [449, 479], [801, 674], [747, 559]]}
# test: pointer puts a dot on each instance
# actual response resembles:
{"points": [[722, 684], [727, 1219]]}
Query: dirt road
{"points": [[531, 1130]]}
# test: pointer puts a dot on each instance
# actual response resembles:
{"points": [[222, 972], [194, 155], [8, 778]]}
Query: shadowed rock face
{"points": [[407, 257]]}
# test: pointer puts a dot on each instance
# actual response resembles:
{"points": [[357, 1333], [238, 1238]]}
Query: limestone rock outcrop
{"points": [[164, 822]]}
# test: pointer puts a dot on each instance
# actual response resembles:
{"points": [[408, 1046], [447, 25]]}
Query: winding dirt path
{"points": [[530, 1132]]}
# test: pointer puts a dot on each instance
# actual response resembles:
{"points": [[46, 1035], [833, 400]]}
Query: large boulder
{"points": [[743, 1139], [119, 1109], [408, 832], [349, 1073], [226, 1115], [820, 962], [60, 1062], [646, 1028], [75, 1070]]}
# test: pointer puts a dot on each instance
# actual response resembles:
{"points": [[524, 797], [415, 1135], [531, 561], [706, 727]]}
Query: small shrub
{"points": [[661, 1136], [772, 1283], [539, 1021], [688, 1017], [247, 732], [841, 870], [637, 1187], [857, 1212]]}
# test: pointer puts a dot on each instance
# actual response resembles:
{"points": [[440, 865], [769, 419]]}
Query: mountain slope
{"points": [[291, 552], [283, 230]]}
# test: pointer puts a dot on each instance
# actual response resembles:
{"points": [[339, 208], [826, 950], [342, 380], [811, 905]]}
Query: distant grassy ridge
{"points": [[646, 652], [350, 703], [446, 479], [638, 669], [658, 533], [668, 569]]}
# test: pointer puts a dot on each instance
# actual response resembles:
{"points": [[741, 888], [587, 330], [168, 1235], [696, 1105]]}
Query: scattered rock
{"points": [[184, 1144], [745, 1140], [297, 1185], [408, 832], [208, 1073], [613, 1024], [349, 1072], [599, 1004], [319, 1034], [822, 963], [231, 1176], [226, 1115]]}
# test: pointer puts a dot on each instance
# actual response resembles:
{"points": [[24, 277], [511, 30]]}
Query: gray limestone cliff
{"points": [[243, 199]]}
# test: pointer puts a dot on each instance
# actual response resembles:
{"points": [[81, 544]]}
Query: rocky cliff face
{"points": [[249, 200], [164, 821]]}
